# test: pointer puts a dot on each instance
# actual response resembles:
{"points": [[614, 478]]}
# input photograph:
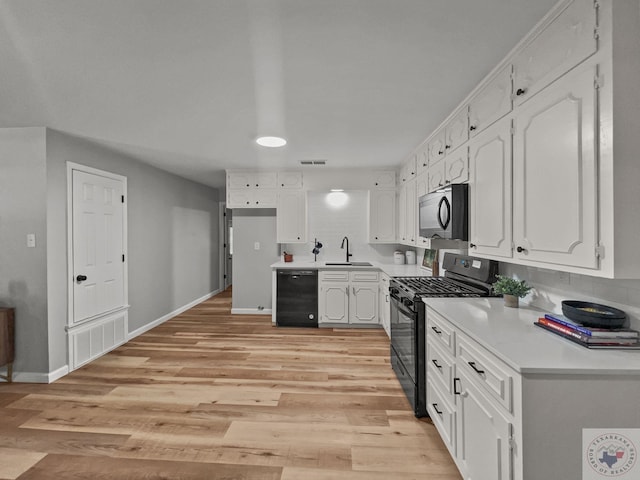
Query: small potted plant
{"points": [[511, 289]]}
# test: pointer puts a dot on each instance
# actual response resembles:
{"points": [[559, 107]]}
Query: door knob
{"points": [[81, 278]]}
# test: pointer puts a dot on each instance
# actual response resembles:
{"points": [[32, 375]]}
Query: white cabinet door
{"points": [[456, 166], [422, 160], [490, 192], [555, 174], [289, 179], [411, 230], [333, 304], [384, 179], [435, 147], [436, 177], [408, 169], [363, 304], [291, 217], [266, 198], [239, 180], [491, 103], [457, 131], [382, 216], [422, 184], [265, 180], [482, 435], [402, 214], [566, 42], [239, 198]]}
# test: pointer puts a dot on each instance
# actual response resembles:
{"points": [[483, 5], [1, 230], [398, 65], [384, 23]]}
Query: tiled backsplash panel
{"points": [[331, 224], [551, 287]]}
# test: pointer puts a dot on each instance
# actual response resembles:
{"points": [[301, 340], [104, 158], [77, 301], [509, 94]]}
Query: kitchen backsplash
{"points": [[551, 287], [331, 224]]}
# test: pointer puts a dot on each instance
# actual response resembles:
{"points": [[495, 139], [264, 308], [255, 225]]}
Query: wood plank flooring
{"points": [[208, 395]]}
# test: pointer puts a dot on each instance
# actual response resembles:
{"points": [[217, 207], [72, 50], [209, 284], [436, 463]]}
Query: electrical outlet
{"points": [[31, 240], [256, 246]]}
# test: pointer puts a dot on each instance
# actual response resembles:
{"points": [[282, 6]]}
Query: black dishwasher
{"points": [[297, 298]]}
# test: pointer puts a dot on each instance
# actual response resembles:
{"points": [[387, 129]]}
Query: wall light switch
{"points": [[31, 240], [256, 246]]}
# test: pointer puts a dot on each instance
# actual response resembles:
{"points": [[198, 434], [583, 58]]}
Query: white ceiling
{"points": [[187, 85]]}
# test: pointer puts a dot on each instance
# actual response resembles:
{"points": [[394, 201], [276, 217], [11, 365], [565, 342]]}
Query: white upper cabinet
{"points": [[251, 180], [490, 192], [564, 43], [555, 174], [422, 159], [289, 179], [408, 170], [382, 216], [252, 198], [435, 147], [454, 169], [383, 179], [291, 217], [491, 103], [457, 131]]}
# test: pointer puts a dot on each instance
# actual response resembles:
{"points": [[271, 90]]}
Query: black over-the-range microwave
{"points": [[445, 213]]}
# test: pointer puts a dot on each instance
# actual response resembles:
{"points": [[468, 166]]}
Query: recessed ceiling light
{"points": [[271, 141]]}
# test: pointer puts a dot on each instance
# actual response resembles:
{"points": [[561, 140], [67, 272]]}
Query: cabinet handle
{"points": [[472, 245], [257, 185], [440, 184], [435, 407], [520, 249], [435, 362], [440, 152], [354, 290], [473, 365], [472, 128], [447, 147], [376, 184], [347, 289], [447, 182], [248, 185], [439, 332], [456, 383], [521, 91]]}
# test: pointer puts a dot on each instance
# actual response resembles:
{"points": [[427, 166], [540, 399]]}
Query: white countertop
{"points": [[390, 269], [509, 333]]}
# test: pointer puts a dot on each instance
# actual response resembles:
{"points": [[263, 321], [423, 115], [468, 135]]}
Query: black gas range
{"points": [[464, 276]]}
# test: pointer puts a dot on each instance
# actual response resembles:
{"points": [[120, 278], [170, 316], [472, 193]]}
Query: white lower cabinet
{"points": [[469, 395], [483, 433], [348, 298]]}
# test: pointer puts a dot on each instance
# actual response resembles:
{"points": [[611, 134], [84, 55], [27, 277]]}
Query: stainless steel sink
{"points": [[348, 264]]}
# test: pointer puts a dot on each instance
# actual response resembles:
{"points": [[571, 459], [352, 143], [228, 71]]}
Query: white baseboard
{"points": [[35, 377], [164, 318], [250, 311]]}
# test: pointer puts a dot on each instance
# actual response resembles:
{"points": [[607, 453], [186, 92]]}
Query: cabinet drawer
{"points": [[334, 276], [440, 366], [440, 331], [488, 371], [443, 416], [364, 276]]}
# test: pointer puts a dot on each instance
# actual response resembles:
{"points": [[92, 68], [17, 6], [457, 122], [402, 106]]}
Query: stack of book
{"points": [[622, 338]]}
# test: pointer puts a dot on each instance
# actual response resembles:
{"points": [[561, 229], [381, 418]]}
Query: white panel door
{"points": [[363, 304], [98, 234], [334, 303], [490, 192], [555, 174]]}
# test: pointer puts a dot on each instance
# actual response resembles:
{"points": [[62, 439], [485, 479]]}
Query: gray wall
{"points": [[23, 274], [251, 268], [173, 239]]}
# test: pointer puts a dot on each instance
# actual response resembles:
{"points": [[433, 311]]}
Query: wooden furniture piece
{"points": [[7, 341]]}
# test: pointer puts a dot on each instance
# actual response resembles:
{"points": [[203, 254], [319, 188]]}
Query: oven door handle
{"points": [[397, 303]]}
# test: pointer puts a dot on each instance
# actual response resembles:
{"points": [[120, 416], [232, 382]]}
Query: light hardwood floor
{"points": [[208, 395]]}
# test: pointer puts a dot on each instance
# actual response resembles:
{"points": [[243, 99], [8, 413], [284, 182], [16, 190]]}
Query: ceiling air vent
{"points": [[313, 162]]}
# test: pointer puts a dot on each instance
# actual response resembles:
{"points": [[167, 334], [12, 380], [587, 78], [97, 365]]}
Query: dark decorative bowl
{"points": [[593, 314]]}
